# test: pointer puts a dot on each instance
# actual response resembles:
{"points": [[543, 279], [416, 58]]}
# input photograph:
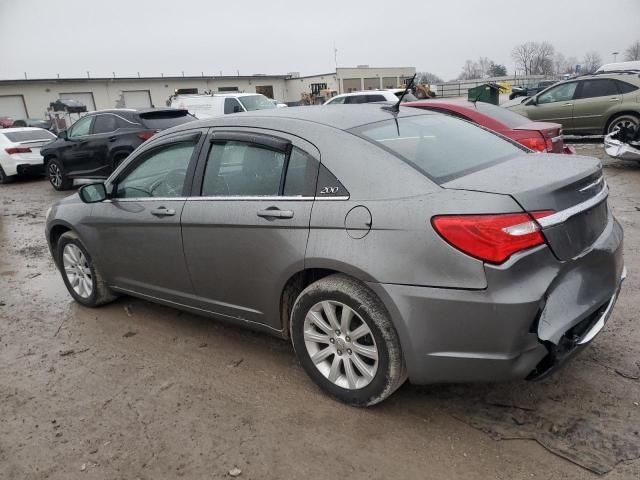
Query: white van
{"points": [[218, 104]]}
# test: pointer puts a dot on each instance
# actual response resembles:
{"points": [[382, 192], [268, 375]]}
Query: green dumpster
{"points": [[487, 92]]}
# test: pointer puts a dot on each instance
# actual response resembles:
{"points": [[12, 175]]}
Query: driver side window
{"points": [[81, 127], [160, 172], [561, 93]]}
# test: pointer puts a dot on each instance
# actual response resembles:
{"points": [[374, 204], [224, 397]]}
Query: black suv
{"points": [[96, 144]]}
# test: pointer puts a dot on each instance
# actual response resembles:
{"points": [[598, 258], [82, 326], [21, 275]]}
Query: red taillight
{"points": [[13, 150], [492, 238], [534, 143], [144, 136]]}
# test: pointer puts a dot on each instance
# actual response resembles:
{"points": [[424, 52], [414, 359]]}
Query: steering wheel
{"points": [[169, 186]]}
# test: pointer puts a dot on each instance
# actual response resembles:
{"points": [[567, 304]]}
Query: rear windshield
{"points": [[502, 115], [256, 102], [165, 119], [440, 146], [29, 136]]}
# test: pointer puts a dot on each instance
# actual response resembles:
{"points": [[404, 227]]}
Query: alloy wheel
{"points": [[76, 268], [625, 122], [340, 345], [55, 175]]}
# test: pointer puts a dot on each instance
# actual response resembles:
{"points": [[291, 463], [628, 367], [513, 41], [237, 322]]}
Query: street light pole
{"points": [[615, 54]]}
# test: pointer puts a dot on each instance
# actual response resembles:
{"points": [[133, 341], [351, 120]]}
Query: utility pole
{"points": [[25, 75], [335, 56], [615, 54], [88, 76]]}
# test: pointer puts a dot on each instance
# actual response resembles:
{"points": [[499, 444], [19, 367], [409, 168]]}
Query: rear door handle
{"points": [[275, 213], [613, 99], [112, 139], [163, 212], [567, 105]]}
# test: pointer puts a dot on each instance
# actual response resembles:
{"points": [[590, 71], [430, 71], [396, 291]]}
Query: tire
{"points": [[57, 178], [370, 380], [4, 178], [627, 119], [70, 249]]}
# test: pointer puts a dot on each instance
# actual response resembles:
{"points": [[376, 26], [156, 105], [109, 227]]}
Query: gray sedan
{"points": [[385, 245]]}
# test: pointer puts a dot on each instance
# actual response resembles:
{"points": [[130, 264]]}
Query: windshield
{"points": [[256, 102], [440, 146], [502, 115], [29, 136]]}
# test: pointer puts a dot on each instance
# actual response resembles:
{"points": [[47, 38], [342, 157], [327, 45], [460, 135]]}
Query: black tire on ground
{"points": [[391, 371], [4, 179], [100, 294], [627, 119], [56, 175]]}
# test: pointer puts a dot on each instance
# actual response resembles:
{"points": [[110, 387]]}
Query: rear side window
{"points": [[356, 99], [105, 124], [597, 88], [163, 119], [242, 169], [502, 115], [302, 171], [29, 136], [375, 98], [440, 146], [625, 87]]}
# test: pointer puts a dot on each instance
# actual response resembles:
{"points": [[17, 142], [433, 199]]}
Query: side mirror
{"points": [[63, 135], [93, 193]]}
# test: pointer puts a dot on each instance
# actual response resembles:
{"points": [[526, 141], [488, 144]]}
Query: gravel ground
{"points": [[136, 390]]}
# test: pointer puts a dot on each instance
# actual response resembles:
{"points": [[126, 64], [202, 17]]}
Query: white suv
{"points": [[218, 104], [370, 96]]}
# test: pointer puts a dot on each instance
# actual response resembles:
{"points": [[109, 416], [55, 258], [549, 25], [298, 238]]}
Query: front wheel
{"points": [[81, 276], [345, 341], [57, 177]]}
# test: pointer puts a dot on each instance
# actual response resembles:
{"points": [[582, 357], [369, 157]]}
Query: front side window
{"points": [[237, 168], [598, 88], [231, 105], [105, 124], [440, 146], [161, 172], [336, 101], [81, 127], [561, 93]]}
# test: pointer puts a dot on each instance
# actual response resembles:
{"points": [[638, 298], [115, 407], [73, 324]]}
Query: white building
{"points": [[30, 98]]}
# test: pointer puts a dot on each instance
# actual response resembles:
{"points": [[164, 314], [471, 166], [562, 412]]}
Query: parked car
{"points": [[20, 151], [531, 89], [384, 244], [538, 136], [33, 122], [99, 141], [278, 104], [594, 104], [219, 104], [370, 96], [6, 122]]}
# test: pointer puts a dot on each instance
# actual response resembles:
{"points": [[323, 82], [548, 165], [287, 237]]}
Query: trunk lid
{"points": [[551, 132], [572, 186]]}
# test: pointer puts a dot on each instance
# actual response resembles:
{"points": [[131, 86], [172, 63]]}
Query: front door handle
{"points": [[112, 139], [274, 212], [613, 99], [567, 105], [163, 212]]}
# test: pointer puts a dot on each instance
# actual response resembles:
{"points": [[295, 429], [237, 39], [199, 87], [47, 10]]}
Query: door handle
{"points": [[274, 212], [613, 99], [567, 105], [112, 139], [163, 212]]}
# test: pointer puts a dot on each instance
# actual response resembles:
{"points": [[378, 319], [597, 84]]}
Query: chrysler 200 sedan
{"points": [[385, 245]]}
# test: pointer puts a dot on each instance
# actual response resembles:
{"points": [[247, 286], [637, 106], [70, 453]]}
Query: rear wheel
{"points": [[56, 175], [346, 342], [81, 276], [4, 178], [626, 120]]}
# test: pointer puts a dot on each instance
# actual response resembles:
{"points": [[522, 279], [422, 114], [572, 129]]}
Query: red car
{"points": [[538, 136], [6, 122]]}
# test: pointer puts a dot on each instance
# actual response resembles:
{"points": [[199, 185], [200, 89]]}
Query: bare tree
{"points": [[428, 77], [535, 58], [483, 65], [633, 52], [592, 61], [470, 70]]}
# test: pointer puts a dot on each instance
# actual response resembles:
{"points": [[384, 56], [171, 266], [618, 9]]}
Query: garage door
{"points": [[137, 98], [84, 97], [351, 85], [371, 83], [13, 106], [390, 82]]}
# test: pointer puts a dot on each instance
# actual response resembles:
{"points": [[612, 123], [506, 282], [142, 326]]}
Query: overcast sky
{"points": [[71, 37]]}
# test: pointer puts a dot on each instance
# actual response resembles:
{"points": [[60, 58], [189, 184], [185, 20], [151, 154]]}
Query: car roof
{"points": [[20, 129], [119, 111], [230, 94], [342, 117], [364, 92]]}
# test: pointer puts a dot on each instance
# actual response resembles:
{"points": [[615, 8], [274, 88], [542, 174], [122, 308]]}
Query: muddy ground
{"points": [[135, 390]]}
